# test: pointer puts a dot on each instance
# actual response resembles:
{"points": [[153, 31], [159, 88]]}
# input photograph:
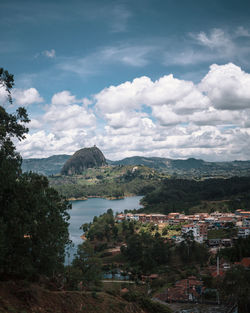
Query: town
{"points": [[198, 224]]}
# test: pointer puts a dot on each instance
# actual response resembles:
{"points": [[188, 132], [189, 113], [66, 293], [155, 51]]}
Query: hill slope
{"points": [[46, 166], [18, 297], [184, 168]]}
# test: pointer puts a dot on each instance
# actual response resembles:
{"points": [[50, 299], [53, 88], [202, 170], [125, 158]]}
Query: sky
{"points": [[165, 78]]}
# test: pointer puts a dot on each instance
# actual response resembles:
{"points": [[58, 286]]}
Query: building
{"points": [[243, 232]]}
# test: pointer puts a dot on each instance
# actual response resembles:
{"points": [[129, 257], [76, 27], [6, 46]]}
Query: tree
{"points": [[33, 217], [236, 287], [88, 265]]}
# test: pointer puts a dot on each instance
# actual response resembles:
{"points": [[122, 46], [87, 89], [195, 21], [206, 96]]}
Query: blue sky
{"points": [[154, 78]]}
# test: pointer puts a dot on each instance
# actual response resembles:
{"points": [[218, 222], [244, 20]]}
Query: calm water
{"points": [[84, 211]]}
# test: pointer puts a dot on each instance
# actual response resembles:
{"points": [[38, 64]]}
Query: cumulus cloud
{"points": [[65, 113], [63, 98], [227, 86], [26, 97], [168, 117]]}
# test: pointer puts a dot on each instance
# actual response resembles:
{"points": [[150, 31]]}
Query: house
{"points": [[245, 262], [226, 242], [120, 217], [214, 242], [243, 232], [190, 228], [185, 290], [246, 222]]}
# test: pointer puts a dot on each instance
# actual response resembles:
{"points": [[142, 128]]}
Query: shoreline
{"points": [[101, 197]]}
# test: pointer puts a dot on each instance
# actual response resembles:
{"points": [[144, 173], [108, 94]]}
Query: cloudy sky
{"points": [[165, 78]]}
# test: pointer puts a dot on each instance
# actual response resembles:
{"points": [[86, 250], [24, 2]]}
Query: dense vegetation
{"points": [[181, 195], [33, 217], [239, 250], [144, 248], [236, 284], [191, 167], [108, 181]]}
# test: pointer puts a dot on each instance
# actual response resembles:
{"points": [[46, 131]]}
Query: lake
{"points": [[84, 211]]}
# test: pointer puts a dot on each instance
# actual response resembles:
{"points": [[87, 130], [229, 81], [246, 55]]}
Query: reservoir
{"points": [[83, 211]]}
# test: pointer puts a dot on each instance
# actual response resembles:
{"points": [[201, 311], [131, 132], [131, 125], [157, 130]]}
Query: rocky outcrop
{"points": [[83, 159]]}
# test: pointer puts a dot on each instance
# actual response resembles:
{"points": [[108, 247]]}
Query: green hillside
{"points": [[108, 181], [190, 168], [45, 166]]}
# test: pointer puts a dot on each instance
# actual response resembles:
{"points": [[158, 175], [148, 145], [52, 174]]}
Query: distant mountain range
{"points": [[46, 166], [190, 167]]}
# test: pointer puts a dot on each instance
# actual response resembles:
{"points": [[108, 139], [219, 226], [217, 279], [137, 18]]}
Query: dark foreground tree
{"points": [[33, 217], [235, 288], [87, 266]]}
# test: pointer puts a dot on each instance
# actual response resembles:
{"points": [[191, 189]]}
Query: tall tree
{"points": [[33, 217], [88, 264]]}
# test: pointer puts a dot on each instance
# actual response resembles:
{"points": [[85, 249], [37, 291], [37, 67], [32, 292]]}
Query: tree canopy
{"points": [[33, 217]]}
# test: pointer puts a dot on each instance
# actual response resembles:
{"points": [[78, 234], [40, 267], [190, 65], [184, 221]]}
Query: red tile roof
{"points": [[245, 262]]}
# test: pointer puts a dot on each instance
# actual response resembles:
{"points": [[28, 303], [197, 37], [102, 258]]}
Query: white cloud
{"points": [[123, 97], [50, 53], [216, 39], [3, 95], [136, 56], [188, 56], [126, 54], [70, 117], [26, 97], [167, 117], [65, 113], [216, 45], [63, 98], [167, 93], [34, 124], [86, 102], [242, 32], [227, 86]]}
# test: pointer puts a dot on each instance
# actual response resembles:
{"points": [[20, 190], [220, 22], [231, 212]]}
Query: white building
{"points": [[243, 232]]}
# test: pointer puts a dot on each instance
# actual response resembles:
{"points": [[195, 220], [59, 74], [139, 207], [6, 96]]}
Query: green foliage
{"points": [[190, 252], [222, 233], [45, 166], [37, 227], [236, 288], [87, 265], [239, 250], [33, 217], [146, 252], [109, 182], [181, 195], [102, 228]]}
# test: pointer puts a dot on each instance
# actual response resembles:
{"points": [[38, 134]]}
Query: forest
{"points": [[190, 196]]}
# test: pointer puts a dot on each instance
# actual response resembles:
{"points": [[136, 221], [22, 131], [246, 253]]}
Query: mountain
{"points": [[161, 163], [83, 159], [45, 166], [188, 168]]}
